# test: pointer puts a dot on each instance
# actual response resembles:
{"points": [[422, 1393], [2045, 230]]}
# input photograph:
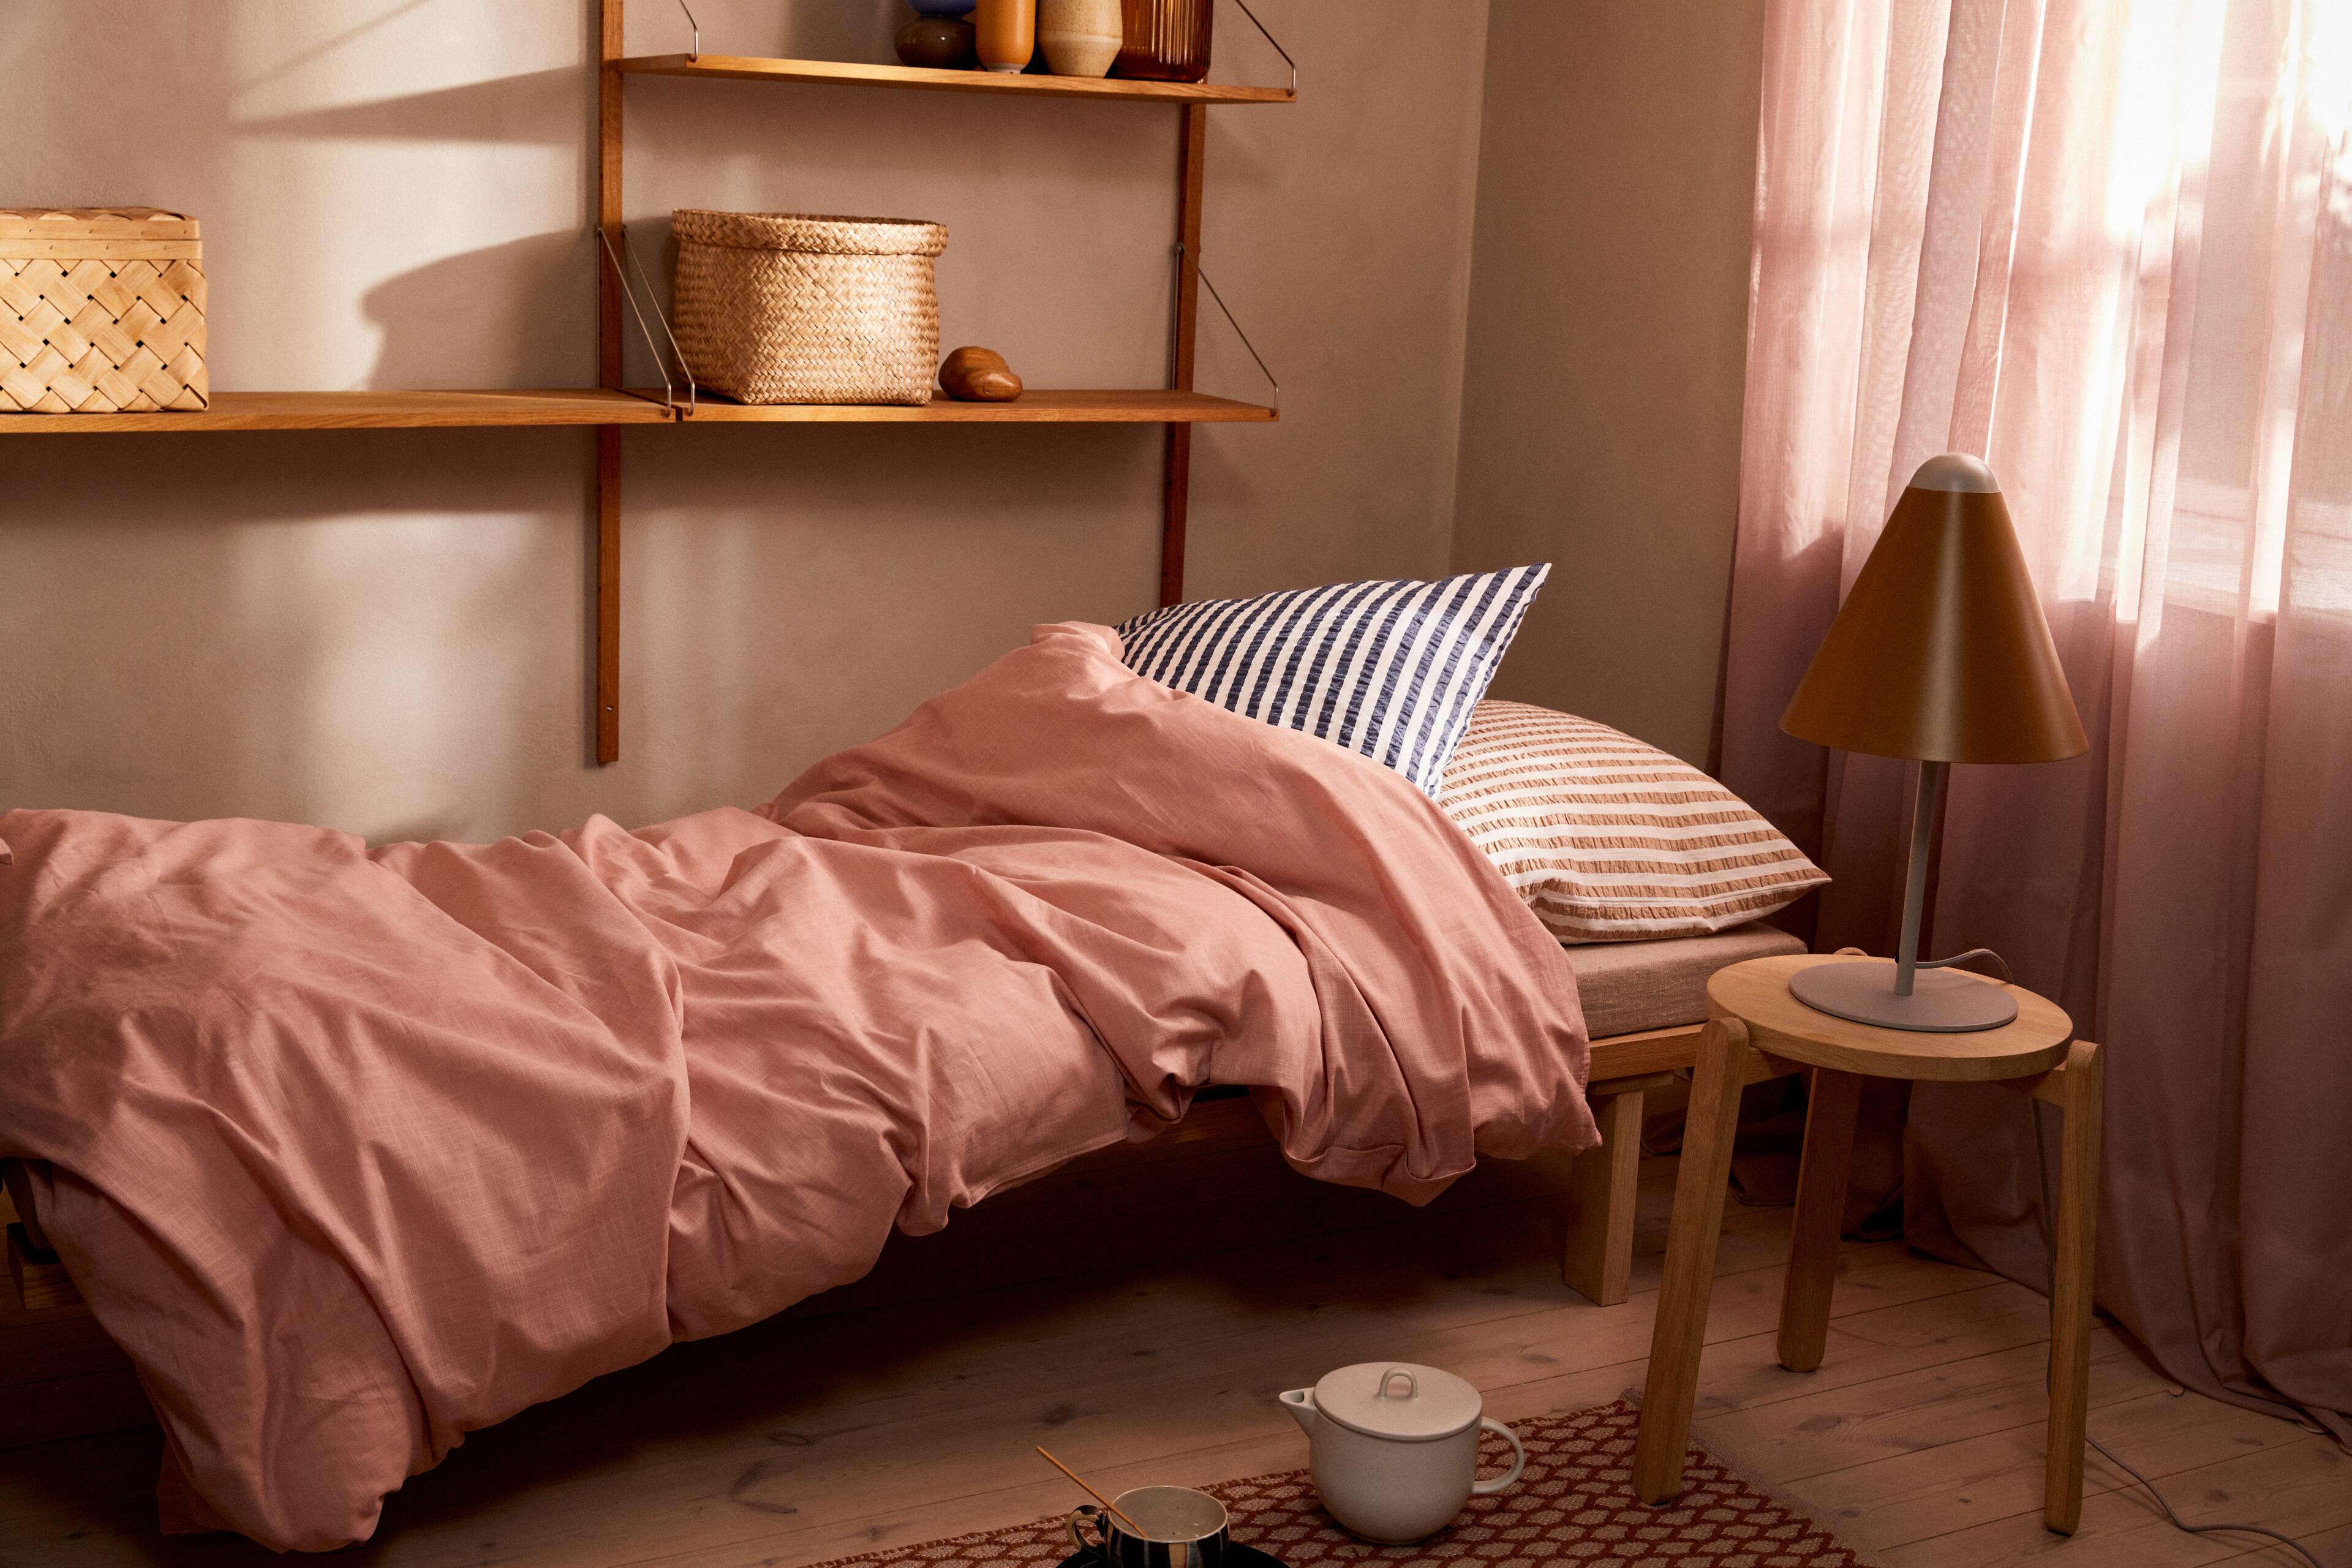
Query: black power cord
{"points": [[2179, 1523]]}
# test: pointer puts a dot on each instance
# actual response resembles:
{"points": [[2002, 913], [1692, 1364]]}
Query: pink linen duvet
{"points": [[356, 1150]]}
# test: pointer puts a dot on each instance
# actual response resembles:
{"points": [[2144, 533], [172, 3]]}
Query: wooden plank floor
{"points": [[1919, 1439]]}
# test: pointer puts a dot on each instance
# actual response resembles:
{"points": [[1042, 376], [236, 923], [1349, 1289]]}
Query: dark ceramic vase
{"points": [[939, 43]]}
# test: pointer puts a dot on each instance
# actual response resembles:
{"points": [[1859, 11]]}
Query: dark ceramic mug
{"points": [[1180, 1528]]}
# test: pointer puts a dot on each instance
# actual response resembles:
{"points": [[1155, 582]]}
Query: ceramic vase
{"points": [[936, 43], [1080, 38], [1007, 34], [939, 38]]}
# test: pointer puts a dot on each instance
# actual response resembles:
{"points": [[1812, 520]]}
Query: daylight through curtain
{"points": [[2107, 246]]}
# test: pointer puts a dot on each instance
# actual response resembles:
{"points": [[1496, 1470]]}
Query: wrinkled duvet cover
{"points": [[355, 1151]]}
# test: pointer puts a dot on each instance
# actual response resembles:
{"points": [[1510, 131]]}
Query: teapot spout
{"points": [[1300, 1403]]}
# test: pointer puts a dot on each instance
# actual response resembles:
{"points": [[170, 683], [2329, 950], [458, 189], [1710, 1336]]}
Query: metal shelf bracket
{"points": [[621, 275], [1203, 274], [1262, 33]]}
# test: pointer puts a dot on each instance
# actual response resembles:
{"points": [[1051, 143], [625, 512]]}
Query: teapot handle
{"points": [[1518, 1458]]}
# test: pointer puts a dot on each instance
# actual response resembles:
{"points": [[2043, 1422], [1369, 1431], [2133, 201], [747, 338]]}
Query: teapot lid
{"points": [[1398, 1399]]}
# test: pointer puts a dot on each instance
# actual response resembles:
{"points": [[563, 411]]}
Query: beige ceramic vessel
{"points": [[1394, 1447], [1080, 38]]}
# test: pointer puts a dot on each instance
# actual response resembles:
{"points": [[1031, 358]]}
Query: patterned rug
{"points": [[1575, 1504]]}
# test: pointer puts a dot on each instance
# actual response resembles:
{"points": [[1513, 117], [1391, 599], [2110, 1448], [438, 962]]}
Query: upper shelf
{"points": [[845, 73], [595, 405]]}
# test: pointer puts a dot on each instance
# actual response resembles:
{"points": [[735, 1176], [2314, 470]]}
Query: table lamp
{"points": [[1940, 655]]}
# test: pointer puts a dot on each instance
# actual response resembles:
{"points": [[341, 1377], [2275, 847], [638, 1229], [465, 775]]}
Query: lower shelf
{"points": [[1033, 407], [361, 411], [598, 405]]}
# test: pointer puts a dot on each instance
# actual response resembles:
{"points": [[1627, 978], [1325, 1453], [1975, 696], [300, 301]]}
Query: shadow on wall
{"points": [[371, 630], [651, 243], [540, 108], [524, 307], [67, 610], [784, 612], [514, 314], [295, 62], [798, 29], [527, 308]]}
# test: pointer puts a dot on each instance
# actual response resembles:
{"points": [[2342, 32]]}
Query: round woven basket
{"points": [[789, 308]]}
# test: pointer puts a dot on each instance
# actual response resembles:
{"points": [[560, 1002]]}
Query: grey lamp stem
{"points": [[1915, 887], [1871, 991]]}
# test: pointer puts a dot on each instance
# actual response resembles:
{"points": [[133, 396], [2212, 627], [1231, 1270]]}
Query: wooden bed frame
{"points": [[39, 1313]]}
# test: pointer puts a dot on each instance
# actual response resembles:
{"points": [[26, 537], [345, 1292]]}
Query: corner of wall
{"points": [[1604, 348], [1465, 282]]}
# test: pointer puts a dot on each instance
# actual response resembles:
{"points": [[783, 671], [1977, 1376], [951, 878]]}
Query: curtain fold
{"points": [[2106, 245]]}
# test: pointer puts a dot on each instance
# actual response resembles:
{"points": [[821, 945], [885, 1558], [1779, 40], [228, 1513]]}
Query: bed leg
{"points": [[41, 1280], [1599, 1259]]}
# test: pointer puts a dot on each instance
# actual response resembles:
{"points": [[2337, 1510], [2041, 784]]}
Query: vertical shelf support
{"points": [[1177, 495], [607, 479], [608, 594]]}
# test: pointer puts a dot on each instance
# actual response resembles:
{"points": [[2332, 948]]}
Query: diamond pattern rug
{"points": [[1574, 1505]]}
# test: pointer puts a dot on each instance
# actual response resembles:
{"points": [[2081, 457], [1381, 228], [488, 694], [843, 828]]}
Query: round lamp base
{"points": [[1942, 1001]]}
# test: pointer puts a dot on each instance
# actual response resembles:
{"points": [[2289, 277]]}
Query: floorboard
{"points": [[1919, 1438]]}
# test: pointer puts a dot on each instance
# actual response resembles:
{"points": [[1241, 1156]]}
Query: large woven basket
{"points": [[783, 307], [101, 310]]}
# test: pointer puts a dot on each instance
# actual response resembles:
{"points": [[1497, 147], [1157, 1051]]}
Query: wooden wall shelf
{"points": [[1032, 407], [1175, 409], [610, 405], [362, 411], [602, 406], [846, 73]]}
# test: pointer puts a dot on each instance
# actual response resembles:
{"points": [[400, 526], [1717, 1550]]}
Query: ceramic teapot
{"points": [[1394, 1447]]}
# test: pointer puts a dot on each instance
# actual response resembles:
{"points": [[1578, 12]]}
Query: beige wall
{"points": [[1608, 333], [387, 631]]}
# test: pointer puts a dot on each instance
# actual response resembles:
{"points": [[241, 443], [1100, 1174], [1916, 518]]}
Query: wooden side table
{"points": [[1757, 1030]]}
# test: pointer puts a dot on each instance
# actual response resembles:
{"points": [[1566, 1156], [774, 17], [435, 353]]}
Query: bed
{"points": [[1645, 1002], [665, 1083]]}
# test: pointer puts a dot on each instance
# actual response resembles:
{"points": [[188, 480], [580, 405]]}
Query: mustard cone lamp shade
{"points": [[1940, 652], [1940, 655]]}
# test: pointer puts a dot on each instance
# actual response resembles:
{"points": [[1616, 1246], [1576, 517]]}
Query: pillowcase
{"points": [[1611, 840], [1390, 669]]}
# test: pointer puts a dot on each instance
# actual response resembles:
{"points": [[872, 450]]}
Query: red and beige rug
{"points": [[1574, 1505]]}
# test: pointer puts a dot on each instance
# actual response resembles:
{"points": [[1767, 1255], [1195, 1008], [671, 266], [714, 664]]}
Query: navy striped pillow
{"points": [[1389, 670]]}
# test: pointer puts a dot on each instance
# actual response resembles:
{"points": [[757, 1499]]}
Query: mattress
{"points": [[1627, 987]]}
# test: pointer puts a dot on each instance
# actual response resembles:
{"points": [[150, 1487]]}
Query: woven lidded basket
{"points": [[781, 308], [101, 310]]}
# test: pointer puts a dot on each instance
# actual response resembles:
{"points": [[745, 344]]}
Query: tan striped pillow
{"points": [[1611, 840]]}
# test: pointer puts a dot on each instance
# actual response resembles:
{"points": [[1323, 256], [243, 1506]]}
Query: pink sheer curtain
{"points": [[2107, 246]]}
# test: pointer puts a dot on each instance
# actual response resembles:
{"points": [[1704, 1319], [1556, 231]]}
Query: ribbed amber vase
{"points": [[1166, 40]]}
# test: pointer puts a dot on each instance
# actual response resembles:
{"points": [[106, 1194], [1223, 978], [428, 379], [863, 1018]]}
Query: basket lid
{"points": [[811, 233], [95, 223]]}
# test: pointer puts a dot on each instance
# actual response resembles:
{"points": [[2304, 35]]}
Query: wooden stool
{"points": [[1758, 1030]]}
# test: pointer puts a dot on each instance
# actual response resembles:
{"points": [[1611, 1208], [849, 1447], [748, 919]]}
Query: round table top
{"points": [[1757, 994]]}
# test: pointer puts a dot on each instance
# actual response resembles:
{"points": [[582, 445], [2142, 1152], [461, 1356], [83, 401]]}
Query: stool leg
{"points": [[1835, 1099], [1680, 1332], [1600, 1256], [2070, 1288]]}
